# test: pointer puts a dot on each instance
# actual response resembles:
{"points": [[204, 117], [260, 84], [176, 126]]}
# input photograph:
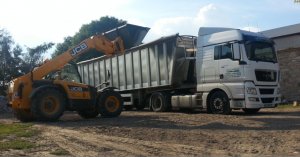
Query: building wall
{"points": [[289, 62], [287, 42]]}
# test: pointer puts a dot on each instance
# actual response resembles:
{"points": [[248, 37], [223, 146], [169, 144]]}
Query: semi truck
{"points": [[221, 70]]}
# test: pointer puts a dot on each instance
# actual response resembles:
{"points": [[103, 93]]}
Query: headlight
{"points": [[251, 90]]}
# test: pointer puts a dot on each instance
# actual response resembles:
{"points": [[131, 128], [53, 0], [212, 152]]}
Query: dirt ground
{"points": [[271, 132]]}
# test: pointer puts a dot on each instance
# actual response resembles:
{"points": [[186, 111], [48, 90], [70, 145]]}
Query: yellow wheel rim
{"points": [[112, 104], [50, 105]]}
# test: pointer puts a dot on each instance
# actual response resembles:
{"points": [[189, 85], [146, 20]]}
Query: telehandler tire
{"points": [[88, 114], [24, 115], [110, 104], [48, 105]]}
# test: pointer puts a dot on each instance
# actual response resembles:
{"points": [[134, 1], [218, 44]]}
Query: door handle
{"points": [[221, 76]]}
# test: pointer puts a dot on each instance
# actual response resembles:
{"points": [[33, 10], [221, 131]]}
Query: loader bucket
{"points": [[132, 35]]}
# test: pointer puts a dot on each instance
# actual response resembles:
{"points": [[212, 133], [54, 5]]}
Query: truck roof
{"points": [[216, 35]]}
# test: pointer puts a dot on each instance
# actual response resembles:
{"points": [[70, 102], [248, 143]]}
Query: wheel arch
{"points": [[56, 87], [213, 91]]}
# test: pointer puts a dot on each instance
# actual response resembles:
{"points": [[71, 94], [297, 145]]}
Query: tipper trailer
{"points": [[220, 70]]}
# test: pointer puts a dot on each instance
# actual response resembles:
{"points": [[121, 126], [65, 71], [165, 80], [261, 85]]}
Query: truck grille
{"points": [[266, 91], [267, 100], [266, 76]]}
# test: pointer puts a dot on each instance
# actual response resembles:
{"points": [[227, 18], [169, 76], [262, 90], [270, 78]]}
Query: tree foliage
{"points": [[34, 56], [9, 57], [104, 24], [13, 62]]}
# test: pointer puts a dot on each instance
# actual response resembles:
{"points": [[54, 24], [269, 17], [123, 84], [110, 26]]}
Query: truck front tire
{"points": [[219, 103]]}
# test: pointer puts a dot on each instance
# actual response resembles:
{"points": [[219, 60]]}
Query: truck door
{"points": [[229, 69]]}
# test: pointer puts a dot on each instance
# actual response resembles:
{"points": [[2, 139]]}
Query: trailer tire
{"points": [[88, 114], [219, 103], [24, 115], [160, 102], [110, 104], [48, 105], [251, 110]]}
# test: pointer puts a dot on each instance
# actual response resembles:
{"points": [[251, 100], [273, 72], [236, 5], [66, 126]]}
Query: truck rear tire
{"points": [[48, 105], [110, 104], [219, 103], [251, 110], [24, 115], [88, 114], [160, 102]]}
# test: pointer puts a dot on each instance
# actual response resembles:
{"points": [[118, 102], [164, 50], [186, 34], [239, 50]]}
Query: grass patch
{"points": [[16, 144], [14, 136], [17, 129], [60, 151], [287, 106]]}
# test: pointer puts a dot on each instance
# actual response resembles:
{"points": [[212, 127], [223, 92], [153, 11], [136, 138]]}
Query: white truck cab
{"points": [[238, 67]]}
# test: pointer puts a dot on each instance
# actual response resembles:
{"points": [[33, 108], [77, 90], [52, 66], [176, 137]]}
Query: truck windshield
{"points": [[260, 51]]}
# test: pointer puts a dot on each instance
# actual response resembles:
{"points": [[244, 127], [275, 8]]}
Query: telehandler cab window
{"points": [[68, 72]]}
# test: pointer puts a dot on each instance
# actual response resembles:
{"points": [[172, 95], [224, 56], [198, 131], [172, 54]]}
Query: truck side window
{"points": [[217, 52], [226, 51], [223, 52]]}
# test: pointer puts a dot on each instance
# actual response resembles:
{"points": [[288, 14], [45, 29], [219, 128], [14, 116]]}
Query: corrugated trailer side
{"points": [[159, 65]]}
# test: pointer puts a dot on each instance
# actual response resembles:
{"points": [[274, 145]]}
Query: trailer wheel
{"points": [[88, 114], [24, 115], [48, 105], [250, 110], [110, 104], [219, 103], [160, 102]]}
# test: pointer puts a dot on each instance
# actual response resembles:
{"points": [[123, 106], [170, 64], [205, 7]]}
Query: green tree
{"points": [[35, 56], [10, 59], [14, 63], [104, 24]]}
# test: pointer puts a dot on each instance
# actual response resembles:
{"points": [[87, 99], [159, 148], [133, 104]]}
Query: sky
{"points": [[33, 22]]}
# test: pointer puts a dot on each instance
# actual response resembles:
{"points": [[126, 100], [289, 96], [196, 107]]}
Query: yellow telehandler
{"points": [[38, 95]]}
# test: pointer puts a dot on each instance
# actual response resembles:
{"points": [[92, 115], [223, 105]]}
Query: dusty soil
{"points": [[271, 132]]}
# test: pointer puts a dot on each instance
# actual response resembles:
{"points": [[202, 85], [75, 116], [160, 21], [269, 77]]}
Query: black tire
{"points": [[160, 102], [48, 105], [24, 115], [110, 104], [251, 110], [88, 114], [219, 103]]}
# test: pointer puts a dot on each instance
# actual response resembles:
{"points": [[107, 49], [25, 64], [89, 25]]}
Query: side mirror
{"points": [[236, 51]]}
